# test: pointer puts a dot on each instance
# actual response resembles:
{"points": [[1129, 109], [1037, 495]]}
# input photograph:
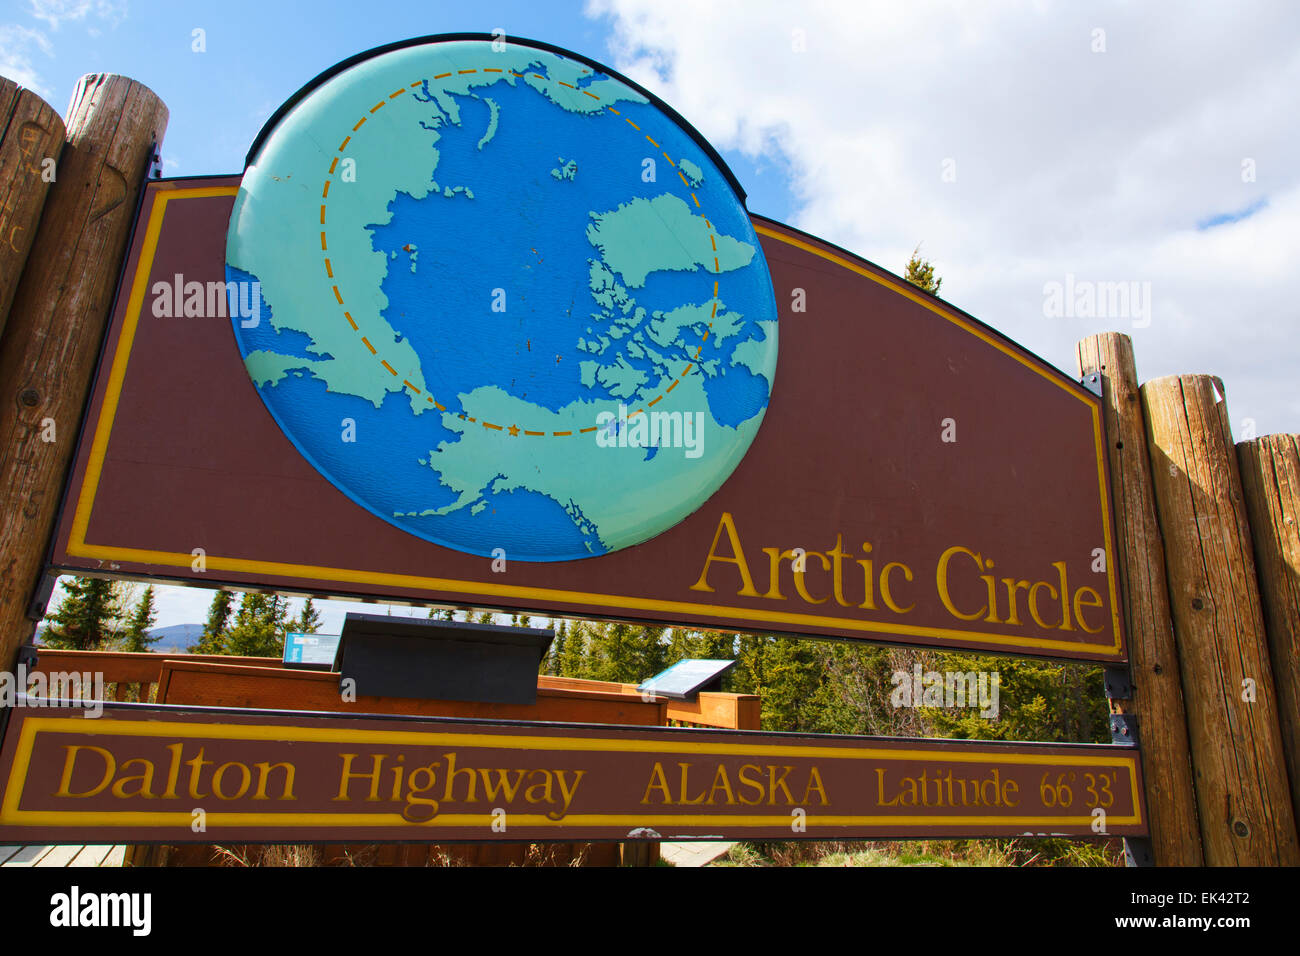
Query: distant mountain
{"points": [[175, 638]]}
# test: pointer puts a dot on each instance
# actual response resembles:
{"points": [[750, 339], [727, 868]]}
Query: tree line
{"points": [[98, 614], [805, 686], [841, 687]]}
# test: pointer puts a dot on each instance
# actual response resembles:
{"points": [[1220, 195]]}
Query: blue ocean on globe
{"points": [[515, 310]]}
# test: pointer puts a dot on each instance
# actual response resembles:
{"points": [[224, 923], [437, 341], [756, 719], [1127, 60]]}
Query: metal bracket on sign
{"points": [[1092, 382], [1118, 681], [24, 665], [1123, 729], [41, 597], [1137, 852]]}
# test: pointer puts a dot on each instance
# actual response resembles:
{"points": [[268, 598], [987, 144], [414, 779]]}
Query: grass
{"points": [[926, 853]]}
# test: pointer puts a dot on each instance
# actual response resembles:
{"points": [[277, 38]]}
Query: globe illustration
{"points": [[502, 299]]}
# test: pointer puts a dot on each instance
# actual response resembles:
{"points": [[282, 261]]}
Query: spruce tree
{"points": [[259, 627], [213, 639], [136, 636], [574, 663], [86, 616], [307, 621], [920, 272], [554, 662], [624, 653]]}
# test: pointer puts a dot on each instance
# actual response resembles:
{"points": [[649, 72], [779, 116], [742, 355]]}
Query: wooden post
{"points": [[56, 325], [31, 138], [1270, 478], [1157, 692], [1242, 794]]}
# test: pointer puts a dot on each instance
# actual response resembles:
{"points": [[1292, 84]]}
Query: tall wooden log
{"points": [[1270, 478], [60, 310], [1157, 700], [1242, 793], [31, 138]]}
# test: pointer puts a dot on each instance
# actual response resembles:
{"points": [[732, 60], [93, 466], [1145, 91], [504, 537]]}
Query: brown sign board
{"points": [[144, 773], [946, 487]]}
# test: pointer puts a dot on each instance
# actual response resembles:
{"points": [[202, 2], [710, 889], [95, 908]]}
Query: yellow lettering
{"points": [[145, 788], [69, 763], [1013, 588], [774, 556], [345, 781], [264, 774], [720, 782], [1033, 604], [885, 594], [738, 559], [941, 578], [815, 783], [245, 775], [1079, 604], [752, 783], [1065, 597], [799, 578], [658, 782]]}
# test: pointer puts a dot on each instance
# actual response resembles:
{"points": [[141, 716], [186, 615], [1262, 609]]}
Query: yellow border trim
{"points": [[10, 813], [77, 546]]}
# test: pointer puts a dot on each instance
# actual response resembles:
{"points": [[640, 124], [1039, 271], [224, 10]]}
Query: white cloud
{"points": [[17, 46], [1067, 161], [57, 12]]}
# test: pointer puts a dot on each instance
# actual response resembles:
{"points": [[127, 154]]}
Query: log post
{"points": [[1270, 479], [1157, 701], [56, 325], [31, 138], [1242, 795]]}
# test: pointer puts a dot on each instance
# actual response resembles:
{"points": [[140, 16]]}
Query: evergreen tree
{"points": [[555, 659], [212, 640], [574, 663], [307, 621], [788, 675], [921, 273], [86, 617], [259, 627], [1037, 700], [624, 653], [136, 636]]}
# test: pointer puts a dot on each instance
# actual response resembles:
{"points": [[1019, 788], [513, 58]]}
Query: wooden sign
{"points": [[476, 376], [850, 515], [179, 774]]}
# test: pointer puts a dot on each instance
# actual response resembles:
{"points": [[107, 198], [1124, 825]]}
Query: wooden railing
{"points": [[125, 676], [129, 676]]}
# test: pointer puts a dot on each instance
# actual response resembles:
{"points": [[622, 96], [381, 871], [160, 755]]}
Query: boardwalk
{"points": [[101, 855]]}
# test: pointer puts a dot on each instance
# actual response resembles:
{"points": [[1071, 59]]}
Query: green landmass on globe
{"points": [[492, 263]]}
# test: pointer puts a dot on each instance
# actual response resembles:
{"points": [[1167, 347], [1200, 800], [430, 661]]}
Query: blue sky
{"points": [[1019, 144], [219, 98]]}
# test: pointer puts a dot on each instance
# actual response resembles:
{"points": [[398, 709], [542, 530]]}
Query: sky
{"points": [[1036, 152]]}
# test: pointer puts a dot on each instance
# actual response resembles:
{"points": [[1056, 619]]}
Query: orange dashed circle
{"points": [[513, 430]]}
